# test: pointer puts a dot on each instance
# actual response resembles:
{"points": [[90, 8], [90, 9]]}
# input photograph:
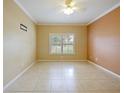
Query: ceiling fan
{"points": [[69, 7]]}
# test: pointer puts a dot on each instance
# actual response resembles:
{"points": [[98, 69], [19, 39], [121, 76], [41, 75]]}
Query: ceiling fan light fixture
{"points": [[69, 7], [68, 11]]}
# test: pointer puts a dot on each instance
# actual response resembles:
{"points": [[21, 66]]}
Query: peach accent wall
{"points": [[43, 41], [19, 46], [104, 41]]}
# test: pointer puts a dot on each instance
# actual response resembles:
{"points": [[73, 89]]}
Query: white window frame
{"points": [[62, 34]]}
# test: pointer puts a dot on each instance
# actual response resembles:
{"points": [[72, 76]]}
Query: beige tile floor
{"points": [[65, 77]]}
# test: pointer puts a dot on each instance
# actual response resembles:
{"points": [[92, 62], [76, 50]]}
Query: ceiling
{"points": [[50, 11]]}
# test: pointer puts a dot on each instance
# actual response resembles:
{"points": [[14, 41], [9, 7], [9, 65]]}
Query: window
{"points": [[62, 43]]}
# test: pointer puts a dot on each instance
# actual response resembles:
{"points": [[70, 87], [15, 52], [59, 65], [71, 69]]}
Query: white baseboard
{"points": [[60, 60], [104, 69], [19, 75]]}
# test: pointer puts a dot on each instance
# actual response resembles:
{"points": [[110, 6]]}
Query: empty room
{"points": [[61, 46]]}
